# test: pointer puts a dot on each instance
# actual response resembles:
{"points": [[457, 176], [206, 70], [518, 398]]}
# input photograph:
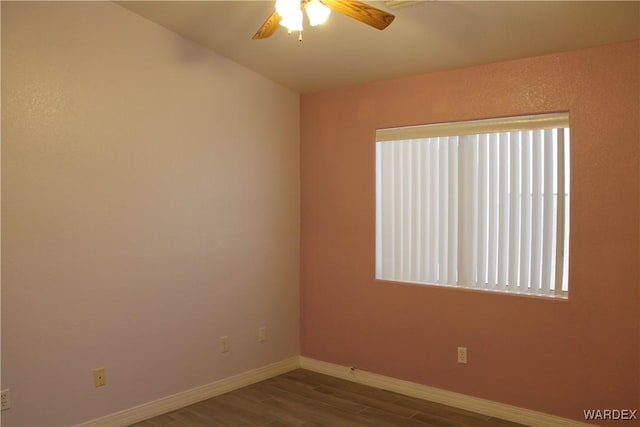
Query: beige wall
{"points": [[558, 357], [149, 206]]}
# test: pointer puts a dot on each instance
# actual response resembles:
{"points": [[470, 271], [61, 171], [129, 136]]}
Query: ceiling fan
{"points": [[289, 14]]}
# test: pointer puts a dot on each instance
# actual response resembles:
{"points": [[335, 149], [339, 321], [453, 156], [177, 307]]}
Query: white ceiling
{"points": [[426, 36]]}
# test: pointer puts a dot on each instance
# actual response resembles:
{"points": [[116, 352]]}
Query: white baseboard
{"points": [[185, 398], [469, 403], [461, 401]]}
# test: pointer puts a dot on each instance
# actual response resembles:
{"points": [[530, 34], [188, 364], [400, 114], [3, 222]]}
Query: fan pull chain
{"points": [[299, 35]]}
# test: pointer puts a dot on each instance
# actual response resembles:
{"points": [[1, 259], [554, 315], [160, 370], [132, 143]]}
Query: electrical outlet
{"points": [[5, 402], [462, 355], [224, 344], [99, 377], [262, 334]]}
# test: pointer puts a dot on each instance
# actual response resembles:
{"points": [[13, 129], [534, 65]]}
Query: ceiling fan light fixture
{"points": [[317, 12], [291, 14]]}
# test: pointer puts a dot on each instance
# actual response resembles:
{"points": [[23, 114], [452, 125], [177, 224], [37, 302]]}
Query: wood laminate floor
{"points": [[304, 398]]}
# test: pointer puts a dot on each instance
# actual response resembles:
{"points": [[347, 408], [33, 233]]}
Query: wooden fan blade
{"points": [[362, 12], [269, 27]]}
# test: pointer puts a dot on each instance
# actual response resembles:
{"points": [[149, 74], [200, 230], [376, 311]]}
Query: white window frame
{"points": [[444, 251]]}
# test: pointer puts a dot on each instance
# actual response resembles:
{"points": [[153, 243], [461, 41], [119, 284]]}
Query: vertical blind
{"points": [[481, 204]]}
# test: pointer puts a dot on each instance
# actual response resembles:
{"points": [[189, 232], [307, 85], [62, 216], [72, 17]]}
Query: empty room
{"points": [[416, 213]]}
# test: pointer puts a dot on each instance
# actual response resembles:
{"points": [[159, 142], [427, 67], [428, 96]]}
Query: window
{"points": [[481, 204]]}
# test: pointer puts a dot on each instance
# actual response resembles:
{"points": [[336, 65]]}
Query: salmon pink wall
{"points": [[149, 206], [557, 357]]}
